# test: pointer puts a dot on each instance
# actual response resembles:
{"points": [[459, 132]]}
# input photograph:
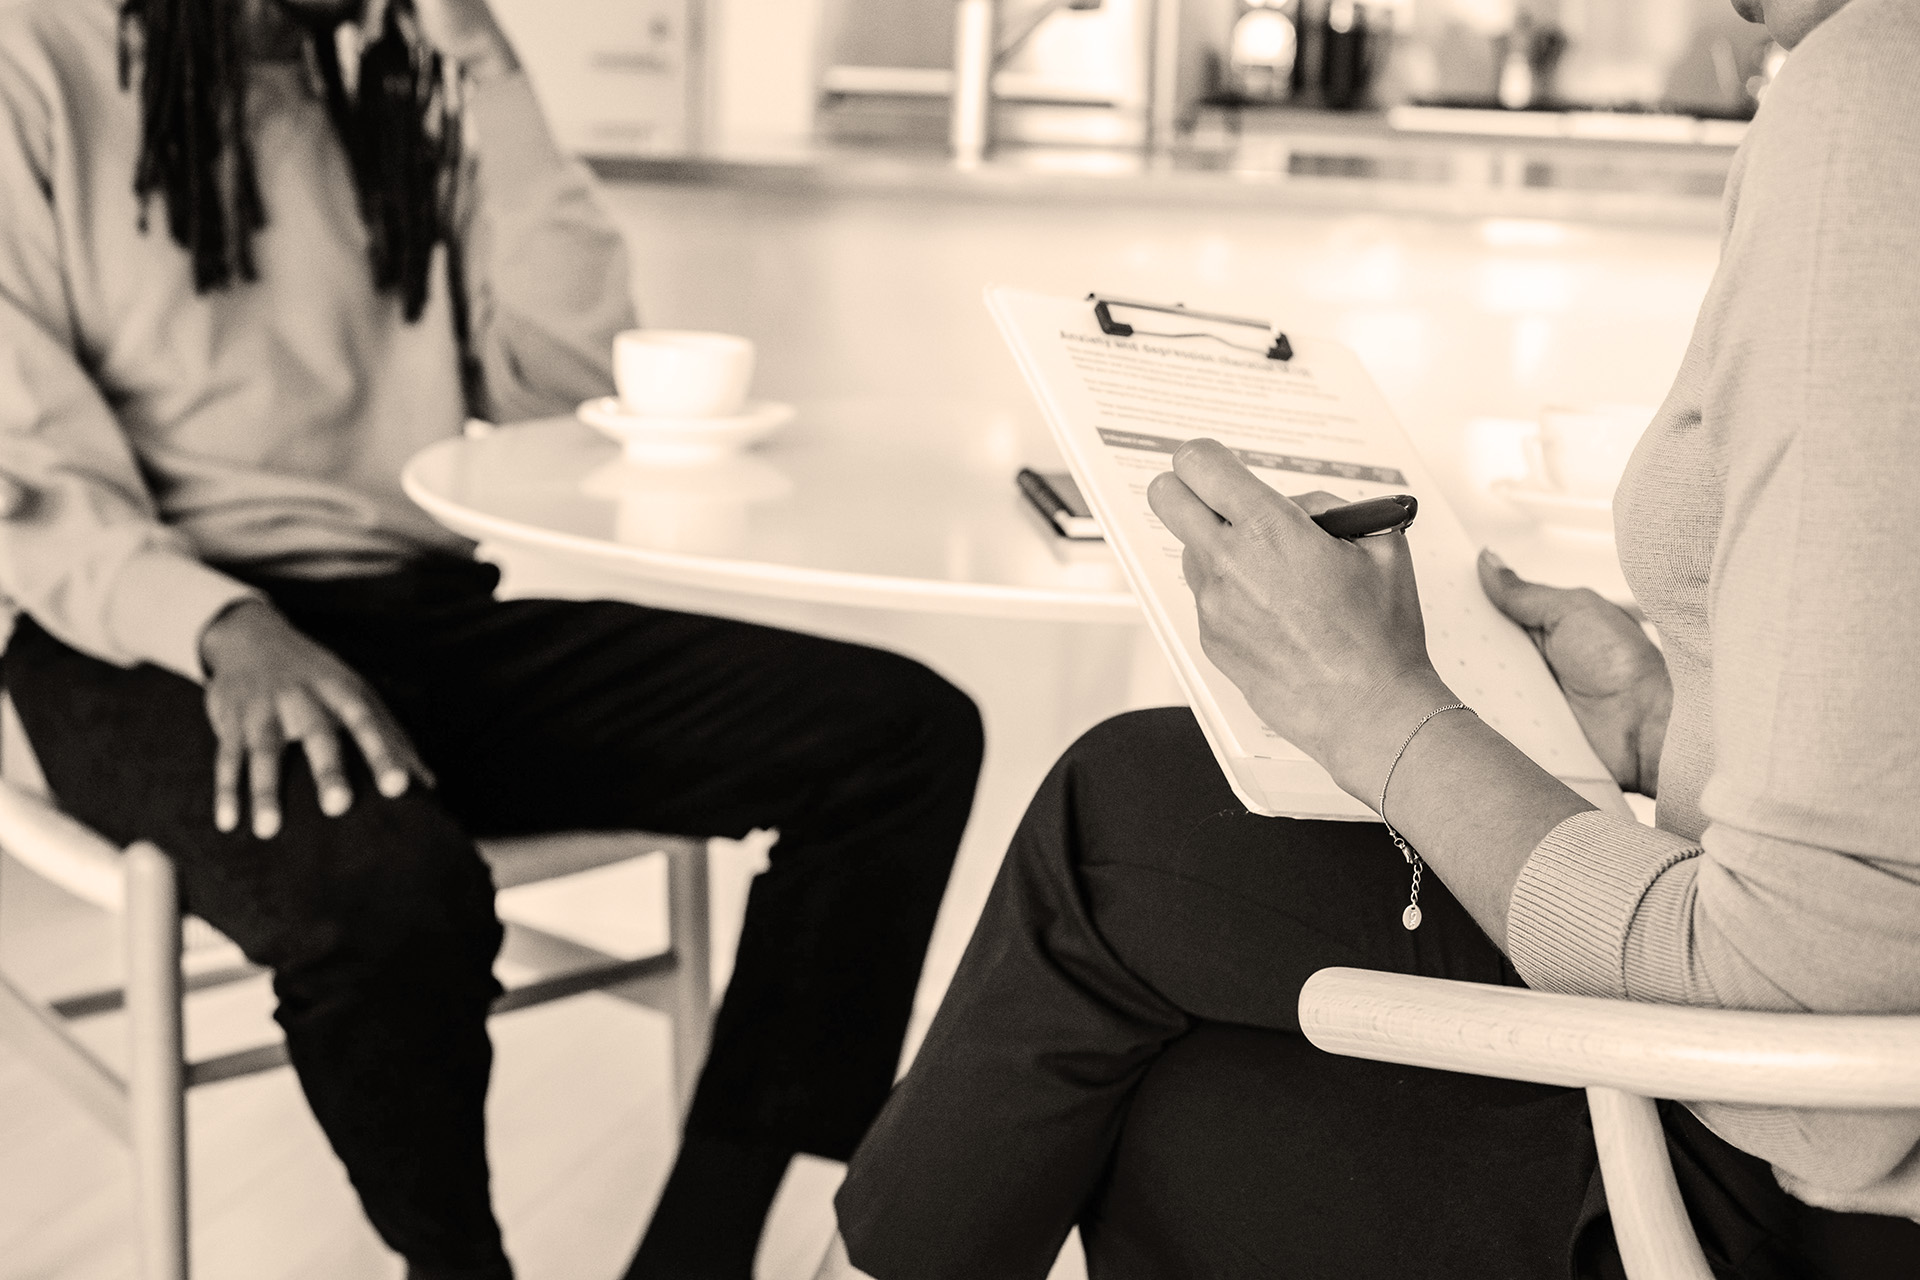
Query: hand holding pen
{"points": [[1321, 633]]}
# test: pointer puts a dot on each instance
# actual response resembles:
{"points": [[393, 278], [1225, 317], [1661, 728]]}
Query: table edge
{"points": [[777, 581]]}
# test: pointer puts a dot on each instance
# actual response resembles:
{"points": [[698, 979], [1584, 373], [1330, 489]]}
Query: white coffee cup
{"points": [[1583, 451], [680, 373]]}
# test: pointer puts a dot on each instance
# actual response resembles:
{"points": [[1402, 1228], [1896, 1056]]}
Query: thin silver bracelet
{"points": [[1410, 918]]}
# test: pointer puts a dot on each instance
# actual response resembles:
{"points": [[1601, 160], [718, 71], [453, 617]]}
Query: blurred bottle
{"points": [[1515, 88], [1529, 59], [1263, 49], [1350, 42]]}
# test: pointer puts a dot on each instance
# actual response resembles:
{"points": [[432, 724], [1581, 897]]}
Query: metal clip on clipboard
{"points": [[1278, 347]]}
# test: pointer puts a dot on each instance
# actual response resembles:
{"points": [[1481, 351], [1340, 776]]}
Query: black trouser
{"points": [[543, 716], [1120, 1049]]}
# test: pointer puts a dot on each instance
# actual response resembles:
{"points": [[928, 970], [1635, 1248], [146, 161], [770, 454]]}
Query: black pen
{"points": [[1390, 514]]}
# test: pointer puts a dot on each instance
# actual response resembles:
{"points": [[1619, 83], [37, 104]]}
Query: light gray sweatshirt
{"points": [[266, 424], [1764, 525]]}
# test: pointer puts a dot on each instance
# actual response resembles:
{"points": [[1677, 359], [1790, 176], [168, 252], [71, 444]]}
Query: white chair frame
{"points": [[146, 1108], [1624, 1055]]}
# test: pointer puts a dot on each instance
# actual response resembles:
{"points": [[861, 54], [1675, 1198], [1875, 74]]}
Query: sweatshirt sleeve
{"points": [[1804, 888], [1803, 892], [547, 272], [87, 556]]}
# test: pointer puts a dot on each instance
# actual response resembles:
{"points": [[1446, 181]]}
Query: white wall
{"points": [[763, 57], [1469, 325], [611, 74]]}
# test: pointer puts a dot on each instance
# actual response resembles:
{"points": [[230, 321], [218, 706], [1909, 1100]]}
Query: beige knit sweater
{"points": [[1767, 526], [160, 429]]}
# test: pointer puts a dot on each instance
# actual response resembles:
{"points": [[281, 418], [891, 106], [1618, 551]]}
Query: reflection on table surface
{"points": [[857, 502], [887, 503]]}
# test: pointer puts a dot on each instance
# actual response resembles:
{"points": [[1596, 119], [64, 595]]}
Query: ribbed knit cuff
{"points": [[1576, 900], [162, 600]]}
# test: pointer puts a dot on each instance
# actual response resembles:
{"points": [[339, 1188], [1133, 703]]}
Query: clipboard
{"points": [[1277, 348], [1121, 397]]}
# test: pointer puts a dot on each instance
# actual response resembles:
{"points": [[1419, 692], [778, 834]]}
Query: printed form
{"points": [[1119, 407]]}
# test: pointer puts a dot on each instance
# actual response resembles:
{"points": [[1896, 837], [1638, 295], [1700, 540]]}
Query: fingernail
{"points": [[226, 816], [393, 784], [266, 825], [1488, 554], [335, 800]]}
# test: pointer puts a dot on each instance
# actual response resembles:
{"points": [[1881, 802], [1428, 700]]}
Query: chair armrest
{"points": [[1659, 1051], [60, 849]]}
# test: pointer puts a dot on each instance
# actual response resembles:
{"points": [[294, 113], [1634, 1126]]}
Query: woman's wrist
{"points": [[1360, 758], [1475, 808]]}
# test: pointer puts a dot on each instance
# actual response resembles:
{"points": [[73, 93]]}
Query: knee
{"points": [[953, 722], [393, 882], [936, 723], [1136, 778], [1133, 743]]}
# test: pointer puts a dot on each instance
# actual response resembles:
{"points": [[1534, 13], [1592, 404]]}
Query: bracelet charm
{"points": [[1410, 918]]}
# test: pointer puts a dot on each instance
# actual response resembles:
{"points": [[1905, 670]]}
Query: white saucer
{"points": [[1561, 512], [684, 441]]}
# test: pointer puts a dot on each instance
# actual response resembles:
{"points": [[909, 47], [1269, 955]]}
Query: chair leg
{"points": [[1650, 1222], [156, 1084], [689, 920]]}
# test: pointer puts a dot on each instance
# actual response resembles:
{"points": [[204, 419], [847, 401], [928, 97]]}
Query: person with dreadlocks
{"points": [[249, 263]]}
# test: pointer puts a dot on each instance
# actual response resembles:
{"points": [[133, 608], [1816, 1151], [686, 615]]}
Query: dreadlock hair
{"points": [[396, 122]]}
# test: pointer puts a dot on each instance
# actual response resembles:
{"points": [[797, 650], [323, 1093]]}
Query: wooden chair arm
{"points": [[60, 849], [1659, 1051]]}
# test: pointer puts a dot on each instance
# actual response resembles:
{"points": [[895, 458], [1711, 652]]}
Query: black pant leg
{"points": [[1120, 1048], [1248, 1154], [378, 926], [541, 715], [1137, 899], [1750, 1228]]}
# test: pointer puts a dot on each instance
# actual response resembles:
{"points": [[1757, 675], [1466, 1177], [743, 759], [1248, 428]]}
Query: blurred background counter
{"points": [[1286, 159], [659, 77], [1513, 207], [862, 279]]}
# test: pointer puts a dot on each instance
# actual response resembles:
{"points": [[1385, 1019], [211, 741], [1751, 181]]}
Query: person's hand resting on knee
{"points": [[267, 686]]}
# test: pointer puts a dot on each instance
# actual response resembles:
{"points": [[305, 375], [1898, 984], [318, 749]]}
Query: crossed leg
{"points": [[1120, 1050]]}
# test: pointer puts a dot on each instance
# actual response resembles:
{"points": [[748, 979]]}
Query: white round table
{"points": [[866, 505]]}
